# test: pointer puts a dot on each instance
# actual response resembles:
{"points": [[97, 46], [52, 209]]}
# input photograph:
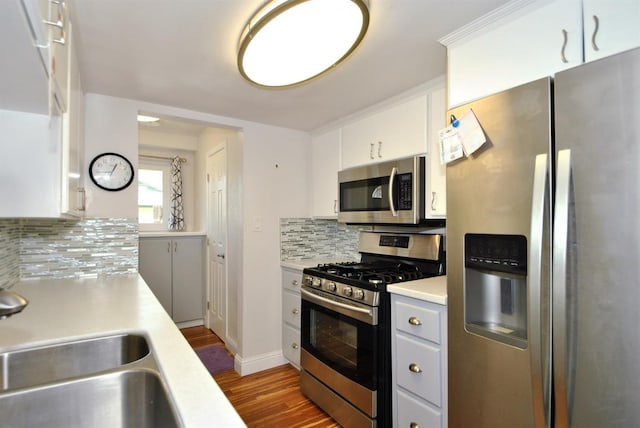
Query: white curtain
{"points": [[176, 216]]}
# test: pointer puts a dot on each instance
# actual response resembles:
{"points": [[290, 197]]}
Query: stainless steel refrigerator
{"points": [[543, 254]]}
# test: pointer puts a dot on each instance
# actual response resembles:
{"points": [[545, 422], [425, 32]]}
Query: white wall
{"points": [[111, 126], [267, 193]]}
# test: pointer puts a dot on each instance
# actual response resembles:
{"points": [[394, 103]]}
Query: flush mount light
{"points": [[288, 42], [147, 119]]}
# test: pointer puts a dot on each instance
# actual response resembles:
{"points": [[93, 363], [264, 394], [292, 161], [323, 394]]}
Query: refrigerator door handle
{"points": [[560, 258], [540, 378]]}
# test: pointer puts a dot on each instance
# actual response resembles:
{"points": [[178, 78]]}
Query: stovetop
{"points": [[375, 274]]}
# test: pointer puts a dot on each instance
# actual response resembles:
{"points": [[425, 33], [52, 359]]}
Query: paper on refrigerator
{"points": [[462, 138]]}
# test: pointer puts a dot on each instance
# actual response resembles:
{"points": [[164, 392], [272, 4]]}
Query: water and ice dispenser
{"points": [[495, 287]]}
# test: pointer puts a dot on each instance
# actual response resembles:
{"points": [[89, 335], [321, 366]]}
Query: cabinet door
{"points": [[395, 132], [291, 308], [188, 284], [415, 413], [292, 279], [325, 163], [291, 344], [537, 41], [610, 27], [419, 368], [154, 266], [72, 197], [436, 188]]}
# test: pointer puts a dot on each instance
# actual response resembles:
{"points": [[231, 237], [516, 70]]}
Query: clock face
{"points": [[111, 171]]}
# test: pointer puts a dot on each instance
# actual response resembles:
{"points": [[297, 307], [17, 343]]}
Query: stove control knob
{"points": [[331, 286], [307, 280], [358, 294], [347, 291], [316, 282]]}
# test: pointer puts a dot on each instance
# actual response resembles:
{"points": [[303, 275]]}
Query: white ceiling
{"points": [[182, 53]]}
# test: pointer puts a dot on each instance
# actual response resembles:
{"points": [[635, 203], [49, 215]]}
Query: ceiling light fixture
{"points": [[288, 42], [147, 119]]}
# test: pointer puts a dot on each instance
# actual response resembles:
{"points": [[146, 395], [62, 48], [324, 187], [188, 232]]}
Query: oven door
{"points": [[341, 334]]}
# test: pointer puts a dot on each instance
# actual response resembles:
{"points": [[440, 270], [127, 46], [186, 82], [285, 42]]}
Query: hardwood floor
{"points": [[270, 398]]}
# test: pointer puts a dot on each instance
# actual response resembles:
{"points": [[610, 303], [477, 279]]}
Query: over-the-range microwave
{"points": [[386, 193]]}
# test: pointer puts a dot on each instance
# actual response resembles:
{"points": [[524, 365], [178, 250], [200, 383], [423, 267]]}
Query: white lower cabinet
{"points": [[291, 314], [173, 269], [419, 356]]}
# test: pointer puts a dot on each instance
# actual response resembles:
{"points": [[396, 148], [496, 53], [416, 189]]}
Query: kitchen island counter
{"points": [[63, 310]]}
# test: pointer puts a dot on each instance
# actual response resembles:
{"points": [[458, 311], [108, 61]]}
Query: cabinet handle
{"points": [[294, 346], [414, 368], [335, 206], [414, 425], [294, 282], [596, 22], [565, 37], [169, 247], [371, 152], [415, 321], [175, 247], [379, 149], [434, 198], [295, 311], [82, 196]]}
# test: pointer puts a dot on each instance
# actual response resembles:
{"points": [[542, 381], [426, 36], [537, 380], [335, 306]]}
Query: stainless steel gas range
{"points": [[346, 324]]}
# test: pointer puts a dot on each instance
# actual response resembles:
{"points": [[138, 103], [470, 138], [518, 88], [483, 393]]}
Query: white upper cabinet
{"points": [[394, 132], [529, 39], [436, 180], [610, 27], [24, 78], [514, 45], [42, 129], [325, 163]]}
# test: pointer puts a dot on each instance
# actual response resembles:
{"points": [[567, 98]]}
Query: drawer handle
{"points": [[414, 425], [294, 282], [294, 346], [414, 368], [415, 321], [295, 311]]}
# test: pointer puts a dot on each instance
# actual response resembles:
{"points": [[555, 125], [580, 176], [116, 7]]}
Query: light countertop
{"points": [[70, 309], [432, 290]]}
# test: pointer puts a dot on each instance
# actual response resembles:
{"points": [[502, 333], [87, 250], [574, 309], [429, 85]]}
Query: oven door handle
{"points": [[343, 308]]}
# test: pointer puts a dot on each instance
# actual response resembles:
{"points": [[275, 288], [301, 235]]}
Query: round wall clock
{"points": [[111, 171]]}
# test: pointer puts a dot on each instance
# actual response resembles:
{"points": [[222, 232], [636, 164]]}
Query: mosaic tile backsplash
{"points": [[56, 248], [9, 252], [306, 238]]}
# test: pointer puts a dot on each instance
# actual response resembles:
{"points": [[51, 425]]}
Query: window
{"points": [[153, 195]]}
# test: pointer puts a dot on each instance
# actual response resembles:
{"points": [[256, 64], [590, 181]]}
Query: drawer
{"points": [[291, 344], [291, 279], [425, 380], [418, 320], [291, 308], [413, 413]]}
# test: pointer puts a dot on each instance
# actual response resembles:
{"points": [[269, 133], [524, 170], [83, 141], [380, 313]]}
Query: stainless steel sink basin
{"points": [[36, 366], [125, 398]]}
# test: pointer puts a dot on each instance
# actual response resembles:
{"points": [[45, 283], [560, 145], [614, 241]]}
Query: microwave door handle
{"points": [[392, 178]]}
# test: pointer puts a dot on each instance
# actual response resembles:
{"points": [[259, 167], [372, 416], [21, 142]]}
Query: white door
{"points": [[216, 234]]}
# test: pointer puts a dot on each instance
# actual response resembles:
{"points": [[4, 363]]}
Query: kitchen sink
{"points": [[36, 366], [122, 398]]}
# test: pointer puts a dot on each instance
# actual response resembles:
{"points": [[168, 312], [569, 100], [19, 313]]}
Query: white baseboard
{"points": [[187, 324], [246, 366]]}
